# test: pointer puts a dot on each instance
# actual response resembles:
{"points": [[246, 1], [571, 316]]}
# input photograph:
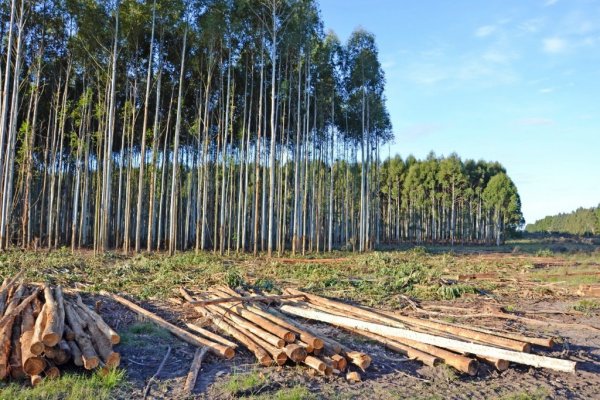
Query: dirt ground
{"points": [[390, 376]]}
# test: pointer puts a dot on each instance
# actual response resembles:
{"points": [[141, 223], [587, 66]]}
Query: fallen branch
{"points": [[190, 381], [153, 378]]}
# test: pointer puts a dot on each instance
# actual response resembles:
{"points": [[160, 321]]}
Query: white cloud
{"points": [[549, 3], [555, 45], [498, 56], [547, 90], [485, 30]]}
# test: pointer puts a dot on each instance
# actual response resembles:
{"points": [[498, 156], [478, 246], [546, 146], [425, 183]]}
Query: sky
{"points": [[514, 81]]}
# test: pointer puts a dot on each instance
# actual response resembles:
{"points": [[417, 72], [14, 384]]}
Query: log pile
{"points": [[274, 338], [274, 335], [42, 330], [431, 342]]}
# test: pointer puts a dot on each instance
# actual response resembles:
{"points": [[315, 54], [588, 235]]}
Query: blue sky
{"points": [[517, 81]]}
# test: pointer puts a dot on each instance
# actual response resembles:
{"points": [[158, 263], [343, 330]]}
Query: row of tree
{"points": [[214, 124], [583, 221]]}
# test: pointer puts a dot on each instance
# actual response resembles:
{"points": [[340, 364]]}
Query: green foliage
{"points": [[583, 221], [587, 306]]}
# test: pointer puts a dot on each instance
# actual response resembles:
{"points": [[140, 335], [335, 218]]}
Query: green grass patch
{"points": [[294, 393], [537, 394], [137, 334], [244, 384], [587, 306], [68, 387]]}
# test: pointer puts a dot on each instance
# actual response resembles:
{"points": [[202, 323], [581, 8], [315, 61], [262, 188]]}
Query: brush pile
{"points": [[274, 337], [41, 330]]}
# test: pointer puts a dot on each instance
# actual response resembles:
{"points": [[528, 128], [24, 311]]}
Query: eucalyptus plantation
{"points": [[231, 125]]}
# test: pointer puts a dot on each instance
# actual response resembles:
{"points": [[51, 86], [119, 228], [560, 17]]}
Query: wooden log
{"points": [[500, 365], [69, 334], [64, 353], [37, 346], [6, 333], [353, 376], [55, 316], [537, 341], [410, 352], [32, 363], [212, 336], [309, 349], [287, 335], [451, 344], [460, 362], [101, 342], [295, 352], [75, 353], [51, 371], [8, 316], [463, 332], [36, 380], [277, 354], [340, 362], [240, 299], [16, 361], [216, 348], [246, 324], [7, 286], [315, 363], [103, 327], [190, 381], [303, 332], [88, 353], [260, 353]]}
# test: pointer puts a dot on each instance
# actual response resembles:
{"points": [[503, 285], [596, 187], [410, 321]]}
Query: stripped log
{"points": [[55, 316], [340, 362], [410, 352], [260, 353], [97, 319], [32, 363], [37, 346], [190, 381], [466, 333], [36, 380], [69, 335], [537, 341], [316, 364], [306, 335], [500, 365], [295, 352], [88, 353], [208, 334], [217, 348], [285, 334], [51, 371], [240, 299], [451, 344]]}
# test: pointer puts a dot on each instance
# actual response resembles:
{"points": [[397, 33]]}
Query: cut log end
{"points": [[280, 358], [50, 339], [34, 365], [90, 362], [296, 353], [353, 376], [36, 380], [228, 353], [289, 337]]}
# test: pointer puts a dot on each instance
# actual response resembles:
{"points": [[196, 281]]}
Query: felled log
{"points": [[274, 329], [315, 363], [7, 286], [55, 316], [353, 376], [37, 346], [6, 332], [99, 322], [75, 353], [190, 381], [212, 336], [260, 353], [52, 371], [88, 353], [100, 341], [500, 365], [36, 380], [295, 352], [216, 348], [410, 352], [277, 354], [451, 344], [16, 361], [8, 316], [339, 362], [305, 334], [240, 299], [32, 363]]}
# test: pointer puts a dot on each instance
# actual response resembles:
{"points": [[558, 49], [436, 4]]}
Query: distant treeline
{"points": [[583, 221]]}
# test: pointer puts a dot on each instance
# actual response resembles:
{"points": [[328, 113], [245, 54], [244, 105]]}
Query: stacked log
{"points": [[271, 336], [41, 330]]}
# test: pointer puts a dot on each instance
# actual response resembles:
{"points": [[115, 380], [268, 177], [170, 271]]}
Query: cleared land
{"points": [[537, 285]]}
